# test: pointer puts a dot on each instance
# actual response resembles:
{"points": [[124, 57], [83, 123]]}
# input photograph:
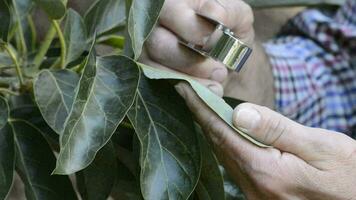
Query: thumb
{"points": [[286, 135]]}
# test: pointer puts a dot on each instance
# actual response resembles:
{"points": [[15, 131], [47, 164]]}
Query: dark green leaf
{"points": [[34, 163], [5, 17], [7, 151], [232, 191], [4, 112], [105, 15], [211, 182], [24, 108], [170, 156], [127, 186], [75, 34], [106, 91], [217, 104], [280, 3], [55, 9], [142, 18], [97, 180], [56, 104]]}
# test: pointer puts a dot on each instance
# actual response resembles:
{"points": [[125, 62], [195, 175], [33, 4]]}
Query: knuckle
{"points": [[273, 128]]}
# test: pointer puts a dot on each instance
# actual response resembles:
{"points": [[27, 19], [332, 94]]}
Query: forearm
{"points": [[255, 81]]}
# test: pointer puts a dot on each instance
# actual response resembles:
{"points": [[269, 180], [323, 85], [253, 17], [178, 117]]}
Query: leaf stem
{"points": [[62, 43], [44, 47], [17, 66], [33, 31], [7, 91]]}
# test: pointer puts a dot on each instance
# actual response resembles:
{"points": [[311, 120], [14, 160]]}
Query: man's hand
{"points": [[302, 162], [179, 20]]}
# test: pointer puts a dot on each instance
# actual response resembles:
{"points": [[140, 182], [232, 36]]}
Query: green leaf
{"points": [[7, 151], [105, 15], [211, 182], [282, 3], [34, 163], [115, 41], [5, 17], [142, 18], [23, 107], [55, 105], [232, 191], [170, 155], [217, 104], [97, 180], [106, 91], [55, 9], [127, 187], [75, 35], [4, 112]]}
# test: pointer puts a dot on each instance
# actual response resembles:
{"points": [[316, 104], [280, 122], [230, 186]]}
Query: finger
{"points": [[235, 14], [286, 135], [223, 138], [214, 86], [163, 47], [180, 18]]}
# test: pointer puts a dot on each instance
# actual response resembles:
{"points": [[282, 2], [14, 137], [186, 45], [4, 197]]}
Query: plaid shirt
{"points": [[314, 66]]}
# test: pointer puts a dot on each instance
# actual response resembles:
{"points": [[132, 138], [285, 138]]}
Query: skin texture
{"points": [[179, 20], [302, 162]]}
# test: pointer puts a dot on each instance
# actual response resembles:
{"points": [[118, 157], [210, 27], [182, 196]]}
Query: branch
{"points": [[17, 66], [62, 42]]}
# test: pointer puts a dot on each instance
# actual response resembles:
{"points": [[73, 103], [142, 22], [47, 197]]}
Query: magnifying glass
{"points": [[227, 49]]}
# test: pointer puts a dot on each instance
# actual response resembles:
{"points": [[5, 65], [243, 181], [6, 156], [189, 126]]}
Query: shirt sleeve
{"points": [[314, 67]]}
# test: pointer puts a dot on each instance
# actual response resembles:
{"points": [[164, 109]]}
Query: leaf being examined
{"points": [[143, 16], [35, 162], [170, 155], [7, 151], [217, 104], [54, 94], [105, 93]]}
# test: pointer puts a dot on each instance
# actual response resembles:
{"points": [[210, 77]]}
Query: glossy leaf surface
{"points": [[35, 162], [217, 104], [105, 15], [75, 34], [106, 91], [54, 92], [143, 16], [170, 154]]}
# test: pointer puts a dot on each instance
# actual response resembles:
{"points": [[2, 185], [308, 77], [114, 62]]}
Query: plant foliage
{"points": [[104, 118]]}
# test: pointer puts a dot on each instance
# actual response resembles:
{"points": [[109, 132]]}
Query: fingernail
{"points": [[247, 119], [219, 75], [179, 88]]}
